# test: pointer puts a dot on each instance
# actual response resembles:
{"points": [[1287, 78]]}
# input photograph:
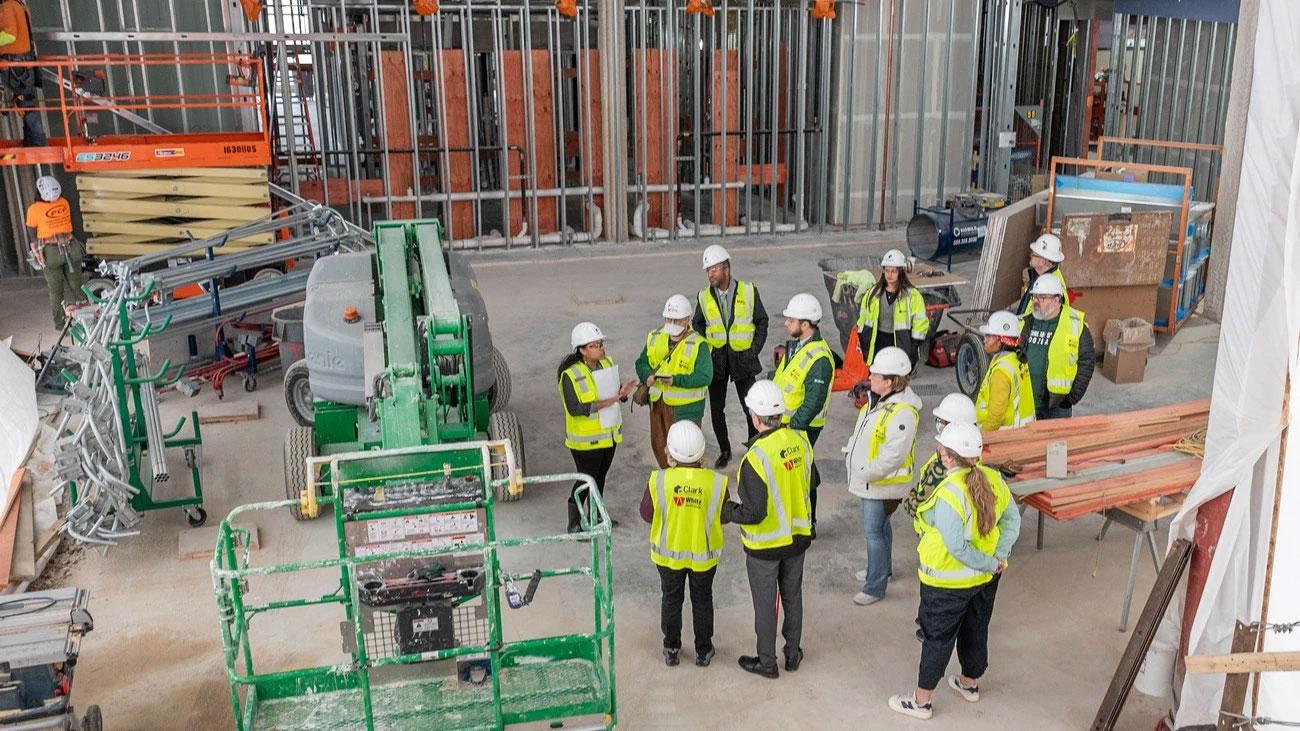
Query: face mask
{"points": [[673, 329]]}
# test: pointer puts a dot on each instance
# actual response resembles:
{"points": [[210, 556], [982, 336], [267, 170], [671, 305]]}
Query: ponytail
{"points": [[569, 360], [981, 494]]}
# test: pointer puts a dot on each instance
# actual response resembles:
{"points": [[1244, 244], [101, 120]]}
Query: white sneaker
{"points": [[863, 599], [861, 576], [972, 695], [907, 705]]}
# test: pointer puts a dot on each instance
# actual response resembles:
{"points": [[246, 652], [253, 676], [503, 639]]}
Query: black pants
{"points": [[955, 616], [673, 582], [718, 407], [813, 433], [766, 578], [594, 462], [886, 340], [23, 82]]}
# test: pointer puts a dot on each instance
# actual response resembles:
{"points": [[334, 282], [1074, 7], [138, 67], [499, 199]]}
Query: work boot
{"points": [[792, 662], [672, 658], [753, 664], [575, 519], [723, 459]]}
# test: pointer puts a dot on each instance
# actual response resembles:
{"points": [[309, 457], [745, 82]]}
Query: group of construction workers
{"points": [[961, 509]]}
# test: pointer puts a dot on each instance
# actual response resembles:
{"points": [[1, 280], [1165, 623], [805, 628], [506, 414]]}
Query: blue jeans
{"points": [[880, 542]]}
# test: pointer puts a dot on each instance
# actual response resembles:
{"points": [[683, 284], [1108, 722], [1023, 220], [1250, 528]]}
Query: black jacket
{"points": [[753, 508], [727, 362]]}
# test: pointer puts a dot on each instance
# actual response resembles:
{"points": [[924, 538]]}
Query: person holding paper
{"points": [[590, 439]]}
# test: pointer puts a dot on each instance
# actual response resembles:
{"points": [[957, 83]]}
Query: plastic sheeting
{"points": [[18, 419], [1261, 322]]}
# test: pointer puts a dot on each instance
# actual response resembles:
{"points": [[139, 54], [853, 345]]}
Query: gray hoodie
{"points": [[865, 473]]}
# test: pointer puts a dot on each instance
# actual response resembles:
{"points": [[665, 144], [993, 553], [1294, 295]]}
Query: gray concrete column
{"points": [[1234, 141], [613, 114]]}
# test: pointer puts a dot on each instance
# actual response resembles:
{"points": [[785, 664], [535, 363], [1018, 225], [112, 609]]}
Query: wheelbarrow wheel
{"points": [[972, 361], [505, 425], [93, 720]]}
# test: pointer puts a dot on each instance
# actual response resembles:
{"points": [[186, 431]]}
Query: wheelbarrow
{"points": [[971, 360]]}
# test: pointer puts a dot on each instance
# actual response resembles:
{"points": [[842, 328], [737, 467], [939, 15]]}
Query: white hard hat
{"points": [[964, 439], [677, 307], [715, 255], [1003, 323], [685, 442], [764, 399], [956, 408], [891, 361], [583, 333], [1048, 246], [1048, 284], [48, 188], [804, 306], [893, 258]]}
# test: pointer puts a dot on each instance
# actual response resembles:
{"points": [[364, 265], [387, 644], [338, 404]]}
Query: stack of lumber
{"points": [[129, 213], [1114, 459], [18, 533]]}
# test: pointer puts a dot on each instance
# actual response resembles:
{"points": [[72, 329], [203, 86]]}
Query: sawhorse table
{"points": [[1143, 518]]}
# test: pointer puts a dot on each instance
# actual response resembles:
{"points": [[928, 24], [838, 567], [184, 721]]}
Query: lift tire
{"points": [[93, 720], [505, 425], [499, 394], [297, 394], [972, 361], [299, 445]]}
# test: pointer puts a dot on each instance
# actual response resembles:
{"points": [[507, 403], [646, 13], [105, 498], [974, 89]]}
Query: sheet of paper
{"points": [[607, 385]]}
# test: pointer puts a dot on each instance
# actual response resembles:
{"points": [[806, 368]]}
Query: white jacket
{"points": [[899, 439]]}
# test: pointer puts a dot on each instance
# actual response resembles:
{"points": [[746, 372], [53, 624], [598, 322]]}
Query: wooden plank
{"points": [[230, 411], [177, 187], [9, 524], [1139, 642], [1244, 662], [160, 230], [201, 542], [23, 565], [1245, 638], [175, 209]]}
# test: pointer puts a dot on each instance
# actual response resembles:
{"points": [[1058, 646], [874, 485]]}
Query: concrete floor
{"points": [[154, 659]]}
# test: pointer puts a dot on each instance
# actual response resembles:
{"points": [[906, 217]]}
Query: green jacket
{"points": [[700, 377]]}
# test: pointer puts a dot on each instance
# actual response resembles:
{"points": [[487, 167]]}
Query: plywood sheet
{"points": [[1104, 250], [1101, 304]]}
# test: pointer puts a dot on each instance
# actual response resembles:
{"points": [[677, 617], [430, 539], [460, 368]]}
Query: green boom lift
{"points": [[413, 488]]}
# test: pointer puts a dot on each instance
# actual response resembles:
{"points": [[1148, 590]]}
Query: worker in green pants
{"points": [[54, 249]]}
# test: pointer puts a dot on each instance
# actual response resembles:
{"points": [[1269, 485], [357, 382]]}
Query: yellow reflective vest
{"points": [[783, 459], [1029, 301], [1020, 406], [740, 334], [585, 432], [939, 568], [686, 532], [905, 472], [791, 374], [1063, 351], [680, 361], [909, 313]]}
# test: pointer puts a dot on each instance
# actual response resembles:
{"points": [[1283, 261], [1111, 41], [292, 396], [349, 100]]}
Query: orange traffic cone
{"points": [[854, 370]]}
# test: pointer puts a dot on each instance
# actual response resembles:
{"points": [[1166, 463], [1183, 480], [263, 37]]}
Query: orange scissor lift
{"points": [[78, 102]]}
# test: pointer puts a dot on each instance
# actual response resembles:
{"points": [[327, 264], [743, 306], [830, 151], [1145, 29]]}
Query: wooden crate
{"points": [[132, 212]]}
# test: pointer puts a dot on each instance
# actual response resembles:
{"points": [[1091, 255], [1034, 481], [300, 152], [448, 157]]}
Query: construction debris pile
{"points": [[1114, 459]]}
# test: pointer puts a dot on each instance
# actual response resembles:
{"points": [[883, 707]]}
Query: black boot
{"points": [[575, 519], [723, 459]]}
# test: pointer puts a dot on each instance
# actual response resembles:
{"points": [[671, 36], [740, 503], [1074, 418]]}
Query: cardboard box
{"points": [[1124, 365]]}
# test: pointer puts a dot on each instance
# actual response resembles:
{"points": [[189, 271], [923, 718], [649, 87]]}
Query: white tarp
{"points": [[1258, 340], [18, 419]]}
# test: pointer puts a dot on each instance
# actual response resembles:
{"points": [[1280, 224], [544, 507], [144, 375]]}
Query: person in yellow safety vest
{"points": [[774, 515], [1006, 396], [1058, 348], [53, 249], [880, 461], [804, 373], [967, 528], [956, 408], [892, 313], [730, 315], [591, 443], [677, 367], [1045, 257], [683, 505]]}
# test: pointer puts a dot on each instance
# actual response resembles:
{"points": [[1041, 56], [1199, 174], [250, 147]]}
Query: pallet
{"points": [[136, 212]]}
